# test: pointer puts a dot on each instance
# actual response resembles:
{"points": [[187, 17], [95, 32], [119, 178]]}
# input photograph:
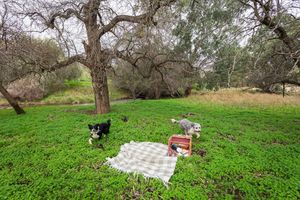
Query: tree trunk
{"points": [[157, 91], [133, 94], [100, 86], [187, 91], [11, 101], [98, 61], [283, 89], [230, 71]]}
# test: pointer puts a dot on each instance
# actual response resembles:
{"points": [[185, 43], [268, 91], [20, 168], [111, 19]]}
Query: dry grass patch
{"points": [[3, 101], [76, 92], [244, 97]]}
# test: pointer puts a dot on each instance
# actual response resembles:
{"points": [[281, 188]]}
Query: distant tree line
{"points": [[228, 43], [158, 48]]}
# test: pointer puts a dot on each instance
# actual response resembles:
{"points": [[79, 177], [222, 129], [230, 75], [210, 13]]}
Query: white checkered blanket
{"points": [[147, 158]]}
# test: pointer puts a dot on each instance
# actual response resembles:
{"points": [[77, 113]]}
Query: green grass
{"points": [[252, 152]]}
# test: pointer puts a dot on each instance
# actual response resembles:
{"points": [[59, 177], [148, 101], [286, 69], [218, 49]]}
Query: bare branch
{"points": [[143, 18], [69, 61]]}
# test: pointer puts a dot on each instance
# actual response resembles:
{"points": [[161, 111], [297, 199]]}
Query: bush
{"points": [[33, 87], [176, 81]]}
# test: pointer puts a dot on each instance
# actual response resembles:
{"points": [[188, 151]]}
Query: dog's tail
{"points": [[174, 121], [109, 121]]}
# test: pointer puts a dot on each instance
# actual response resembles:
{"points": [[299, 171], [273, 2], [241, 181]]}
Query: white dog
{"points": [[189, 127]]}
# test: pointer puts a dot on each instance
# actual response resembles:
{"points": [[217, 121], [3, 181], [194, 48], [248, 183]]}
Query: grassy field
{"points": [[252, 151], [244, 97], [76, 92]]}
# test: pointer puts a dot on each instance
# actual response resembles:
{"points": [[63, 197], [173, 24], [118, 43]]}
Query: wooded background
{"points": [[151, 49]]}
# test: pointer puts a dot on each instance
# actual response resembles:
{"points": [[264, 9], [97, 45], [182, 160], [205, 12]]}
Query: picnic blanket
{"points": [[147, 158]]}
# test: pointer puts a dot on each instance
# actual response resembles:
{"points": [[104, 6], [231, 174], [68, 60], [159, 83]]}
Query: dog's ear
{"points": [[90, 127], [193, 124]]}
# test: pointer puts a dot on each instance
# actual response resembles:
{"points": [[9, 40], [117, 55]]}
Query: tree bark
{"points": [[97, 59], [283, 89], [100, 86], [188, 91], [157, 91], [98, 63], [11, 101], [133, 94], [230, 71]]}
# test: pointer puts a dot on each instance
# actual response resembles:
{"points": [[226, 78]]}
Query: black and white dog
{"points": [[97, 130], [189, 127]]}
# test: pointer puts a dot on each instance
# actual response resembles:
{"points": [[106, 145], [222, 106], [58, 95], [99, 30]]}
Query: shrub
{"points": [[33, 87]]}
